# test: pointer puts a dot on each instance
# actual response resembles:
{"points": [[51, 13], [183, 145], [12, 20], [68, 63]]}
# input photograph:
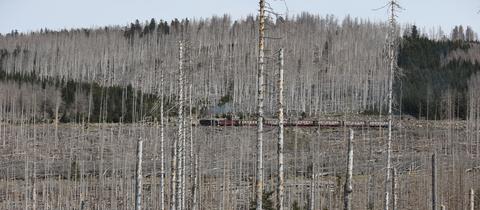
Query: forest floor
{"points": [[95, 165]]}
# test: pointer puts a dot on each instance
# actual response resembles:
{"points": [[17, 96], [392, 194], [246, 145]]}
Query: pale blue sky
{"points": [[31, 15]]}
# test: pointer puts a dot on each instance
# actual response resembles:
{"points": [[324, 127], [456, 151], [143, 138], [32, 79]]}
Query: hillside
{"points": [[331, 67]]}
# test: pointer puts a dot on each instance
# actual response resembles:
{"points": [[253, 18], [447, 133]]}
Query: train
{"points": [[291, 123]]}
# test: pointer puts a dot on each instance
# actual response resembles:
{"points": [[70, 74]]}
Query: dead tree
{"points": [[434, 183], [281, 179], [162, 149], [392, 65], [260, 98], [176, 161], [138, 175], [195, 184], [394, 188], [181, 134], [347, 194], [472, 199]]}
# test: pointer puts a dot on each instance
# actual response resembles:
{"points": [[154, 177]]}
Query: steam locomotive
{"points": [[290, 123]]}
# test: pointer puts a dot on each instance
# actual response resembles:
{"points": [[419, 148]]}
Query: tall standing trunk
{"points": [[162, 149], [57, 107], [260, 98], [391, 59], [472, 199], [192, 160], [312, 187], [347, 193], [281, 178], [180, 134], [138, 175], [434, 183], [34, 175], [394, 188], [195, 184]]}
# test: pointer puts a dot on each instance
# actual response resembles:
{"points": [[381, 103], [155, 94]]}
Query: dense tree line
{"points": [[435, 74], [79, 101]]}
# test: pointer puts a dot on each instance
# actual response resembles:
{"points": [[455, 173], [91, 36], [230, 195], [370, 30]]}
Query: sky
{"points": [[32, 15]]}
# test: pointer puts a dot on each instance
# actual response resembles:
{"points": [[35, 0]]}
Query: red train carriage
{"points": [[354, 123], [226, 122], [248, 122], [305, 123], [328, 123], [271, 122], [382, 124]]}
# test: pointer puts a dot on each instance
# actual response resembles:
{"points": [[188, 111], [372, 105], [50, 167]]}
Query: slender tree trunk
{"points": [[312, 187], [181, 135], [260, 98], [394, 188], [472, 199], [192, 160], [57, 107], [34, 174], [195, 185], [281, 178], [138, 177], [347, 196], [162, 148], [434, 183], [391, 58]]}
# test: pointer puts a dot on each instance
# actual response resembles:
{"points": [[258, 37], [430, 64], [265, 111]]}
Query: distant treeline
{"points": [[432, 83], [86, 102]]}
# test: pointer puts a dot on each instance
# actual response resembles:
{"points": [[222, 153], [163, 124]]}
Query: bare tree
{"points": [[162, 145], [260, 98], [138, 175], [434, 183], [392, 65], [472, 199], [281, 178], [181, 133], [347, 196]]}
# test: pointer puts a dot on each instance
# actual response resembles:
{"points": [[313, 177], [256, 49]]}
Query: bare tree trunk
{"points": [[347, 194], [391, 58], [281, 178], [162, 149], [312, 187], [394, 188], [181, 134], [472, 199], [57, 106], [34, 175], [173, 181], [261, 93], [434, 183], [192, 160], [138, 177], [195, 184]]}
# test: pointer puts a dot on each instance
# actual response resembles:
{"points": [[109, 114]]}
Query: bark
{"points": [[472, 199], [347, 196], [391, 59], [138, 175], [281, 178], [434, 183], [181, 134], [260, 98], [162, 149]]}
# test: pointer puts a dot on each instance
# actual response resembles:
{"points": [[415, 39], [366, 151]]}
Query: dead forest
{"points": [[107, 118]]}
